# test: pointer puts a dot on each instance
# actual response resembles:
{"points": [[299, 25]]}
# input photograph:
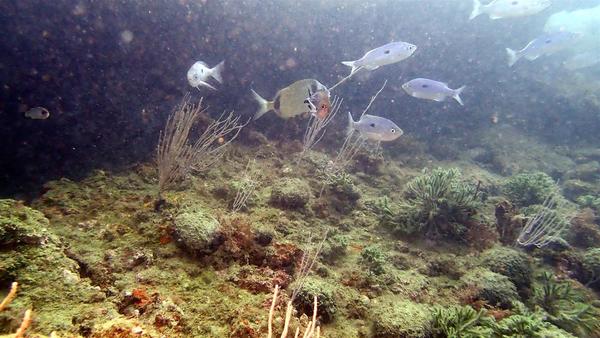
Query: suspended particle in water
{"points": [[126, 36], [79, 9]]}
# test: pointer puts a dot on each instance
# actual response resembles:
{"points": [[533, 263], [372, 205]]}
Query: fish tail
{"points": [[513, 56], [350, 64], [350, 127], [457, 93], [216, 71], [263, 105], [476, 9]]}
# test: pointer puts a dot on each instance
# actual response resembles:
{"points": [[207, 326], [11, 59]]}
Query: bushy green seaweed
{"points": [[529, 188], [565, 309], [438, 202], [374, 259], [589, 201], [511, 263], [325, 292], [401, 318], [461, 322]]}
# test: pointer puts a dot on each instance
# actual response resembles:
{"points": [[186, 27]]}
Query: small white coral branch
{"points": [[28, 314], [11, 295], [311, 331]]}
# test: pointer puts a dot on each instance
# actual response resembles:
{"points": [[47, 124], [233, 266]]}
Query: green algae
{"points": [[494, 288], [529, 188], [401, 318], [437, 202], [511, 263]]}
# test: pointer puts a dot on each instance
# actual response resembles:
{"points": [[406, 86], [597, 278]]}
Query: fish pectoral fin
{"points": [[371, 67], [205, 84], [532, 57]]}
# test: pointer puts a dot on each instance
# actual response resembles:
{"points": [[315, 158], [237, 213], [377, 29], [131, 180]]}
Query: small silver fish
{"points": [[199, 73], [500, 9], [289, 101], [432, 90], [37, 113], [375, 128], [387, 54], [545, 44]]}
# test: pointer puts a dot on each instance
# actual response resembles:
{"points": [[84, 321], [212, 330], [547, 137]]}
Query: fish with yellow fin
{"points": [[289, 101]]}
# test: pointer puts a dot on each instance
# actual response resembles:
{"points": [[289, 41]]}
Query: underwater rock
{"points": [[493, 288], [258, 279], [334, 247], [290, 193], [325, 293], [401, 319], [591, 266], [443, 266], [343, 193], [32, 256], [282, 256], [584, 231], [588, 171], [507, 223], [511, 263], [574, 188], [21, 225], [197, 231]]}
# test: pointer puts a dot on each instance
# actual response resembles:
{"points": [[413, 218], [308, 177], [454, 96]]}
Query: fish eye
{"points": [[425, 86], [386, 52], [515, 3], [372, 125], [548, 41], [393, 131]]}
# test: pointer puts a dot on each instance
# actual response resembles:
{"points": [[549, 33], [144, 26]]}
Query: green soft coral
{"points": [[529, 188], [438, 202]]}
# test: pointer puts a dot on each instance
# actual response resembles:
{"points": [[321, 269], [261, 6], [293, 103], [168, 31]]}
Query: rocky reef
{"points": [[400, 252]]}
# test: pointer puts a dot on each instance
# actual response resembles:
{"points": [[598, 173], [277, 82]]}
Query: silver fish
{"points": [[545, 44], [199, 73], [500, 9], [390, 53], [375, 128], [289, 101], [37, 113], [432, 90]]}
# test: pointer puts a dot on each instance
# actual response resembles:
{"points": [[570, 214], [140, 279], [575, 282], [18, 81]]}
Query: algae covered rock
{"points": [[588, 171], [591, 264], [290, 193], [399, 319], [511, 263], [574, 188], [494, 288], [325, 293], [197, 231], [49, 280], [373, 259], [21, 225]]}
